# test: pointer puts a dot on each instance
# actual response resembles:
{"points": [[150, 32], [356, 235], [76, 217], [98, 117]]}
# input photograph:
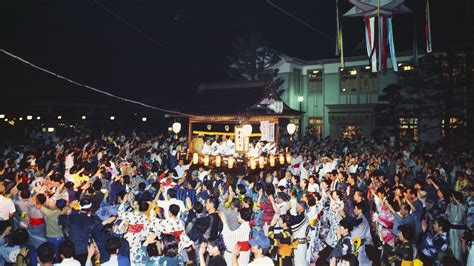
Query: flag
{"points": [[339, 44], [428, 28]]}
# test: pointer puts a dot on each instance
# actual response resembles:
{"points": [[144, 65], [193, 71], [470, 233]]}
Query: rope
{"points": [[92, 88]]}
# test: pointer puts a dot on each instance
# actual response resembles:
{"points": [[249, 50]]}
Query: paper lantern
{"points": [[209, 127], [253, 164], [291, 128], [281, 157], [247, 130], [272, 161], [218, 161], [206, 160], [176, 127], [230, 162], [226, 127], [195, 158], [261, 162], [288, 158]]}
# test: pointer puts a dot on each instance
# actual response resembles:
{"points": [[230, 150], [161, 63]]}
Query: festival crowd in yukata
{"points": [[103, 198]]}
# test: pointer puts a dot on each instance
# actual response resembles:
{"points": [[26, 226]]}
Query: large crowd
{"points": [[107, 198]]}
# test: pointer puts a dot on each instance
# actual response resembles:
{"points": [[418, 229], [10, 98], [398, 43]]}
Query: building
{"points": [[337, 101], [340, 102]]}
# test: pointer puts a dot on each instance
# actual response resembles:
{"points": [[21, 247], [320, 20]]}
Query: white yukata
{"points": [[137, 224], [241, 234], [299, 234], [171, 226]]}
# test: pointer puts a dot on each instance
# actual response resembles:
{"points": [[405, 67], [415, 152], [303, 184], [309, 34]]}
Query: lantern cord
{"points": [[92, 88]]}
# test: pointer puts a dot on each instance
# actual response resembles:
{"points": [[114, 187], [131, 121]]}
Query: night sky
{"points": [[184, 42]]}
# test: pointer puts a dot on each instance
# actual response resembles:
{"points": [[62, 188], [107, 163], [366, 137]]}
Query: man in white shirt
{"points": [[222, 149], [353, 167], [202, 173], [181, 167], [7, 209], [230, 146], [165, 204], [304, 173], [215, 147], [206, 148]]}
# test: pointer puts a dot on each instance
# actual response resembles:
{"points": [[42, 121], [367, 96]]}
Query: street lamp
{"points": [[112, 118]]}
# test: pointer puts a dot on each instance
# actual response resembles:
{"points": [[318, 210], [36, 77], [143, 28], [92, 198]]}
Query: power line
{"points": [[128, 24], [300, 21], [92, 88]]}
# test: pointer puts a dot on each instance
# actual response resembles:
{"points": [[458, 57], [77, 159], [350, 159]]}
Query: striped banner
{"points": [[391, 44]]}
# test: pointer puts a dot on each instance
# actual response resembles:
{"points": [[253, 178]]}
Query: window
{"points": [[348, 80], [297, 81], [315, 81], [454, 124], [368, 79], [405, 67], [316, 127], [409, 128]]}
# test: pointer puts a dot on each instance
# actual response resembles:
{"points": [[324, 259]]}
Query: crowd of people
{"points": [[107, 198]]}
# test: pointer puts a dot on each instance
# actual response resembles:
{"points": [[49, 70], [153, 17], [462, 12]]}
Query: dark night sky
{"points": [[81, 40]]}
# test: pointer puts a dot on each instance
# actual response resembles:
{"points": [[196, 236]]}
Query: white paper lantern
{"points": [[247, 130], [176, 127], [230, 162], [291, 128]]}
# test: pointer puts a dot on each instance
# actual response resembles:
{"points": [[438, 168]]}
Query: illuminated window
{"points": [[405, 67], [368, 79], [454, 123], [315, 81], [316, 127], [409, 128], [348, 79]]}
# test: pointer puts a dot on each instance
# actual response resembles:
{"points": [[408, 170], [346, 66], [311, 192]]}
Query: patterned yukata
{"points": [[334, 218], [173, 227], [136, 234], [433, 244]]}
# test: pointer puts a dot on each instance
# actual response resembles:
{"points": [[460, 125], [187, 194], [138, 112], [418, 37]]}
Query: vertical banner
{"points": [[239, 139], [428, 28], [268, 131], [271, 132], [339, 44], [263, 130], [391, 44]]}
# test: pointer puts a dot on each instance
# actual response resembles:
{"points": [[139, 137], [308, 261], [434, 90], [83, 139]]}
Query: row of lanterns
{"points": [[252, 163]]}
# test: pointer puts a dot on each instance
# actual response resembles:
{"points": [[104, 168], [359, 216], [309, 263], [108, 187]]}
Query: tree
{"points": [[420, 97], [435, 91], [253, 59]]}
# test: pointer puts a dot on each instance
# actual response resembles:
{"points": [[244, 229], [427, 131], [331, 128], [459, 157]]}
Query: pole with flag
{"points": [[428, 28], [339, 44]]}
